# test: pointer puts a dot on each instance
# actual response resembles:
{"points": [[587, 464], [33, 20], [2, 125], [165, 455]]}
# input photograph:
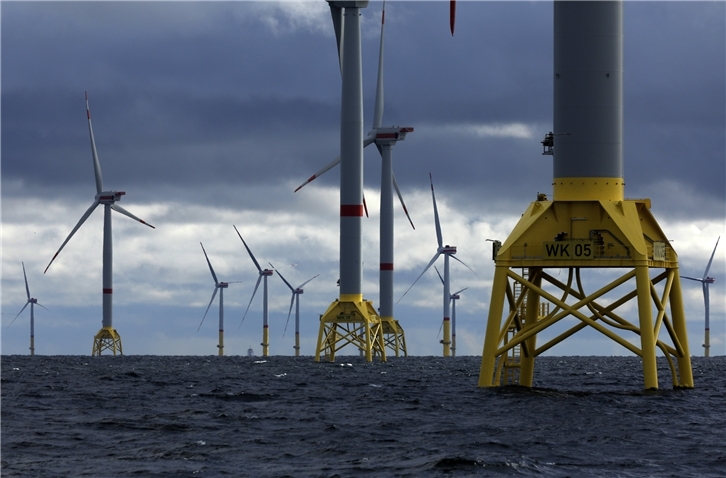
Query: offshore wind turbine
{"points": [[107, 337], [295, 299], [32, 301], [705, 282], [263, 274], [454, 297], [218, 286], [447, 251]]}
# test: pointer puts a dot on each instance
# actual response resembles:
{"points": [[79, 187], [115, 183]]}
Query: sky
{"points": [[210, 114]]}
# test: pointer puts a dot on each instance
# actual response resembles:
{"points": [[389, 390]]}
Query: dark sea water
{"points": [[414, 417]]}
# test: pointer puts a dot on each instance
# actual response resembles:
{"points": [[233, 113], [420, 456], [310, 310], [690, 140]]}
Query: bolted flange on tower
{"points": [[587, 225]]}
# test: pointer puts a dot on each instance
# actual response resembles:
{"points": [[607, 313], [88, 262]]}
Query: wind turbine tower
{"points": [[587, 225], [705, 282], [347, 316], [296, 292], [32, 301], [218, 286], [107, 338], [263, 274]]}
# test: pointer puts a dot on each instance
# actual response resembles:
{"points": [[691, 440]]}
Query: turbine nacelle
{"points": [[388, 136], [455, 296], [297, 291], [447, 249], [223, 285], [709, 280], [109, 197], [266, 272]]}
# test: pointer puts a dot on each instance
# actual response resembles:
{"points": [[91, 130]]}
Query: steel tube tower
{"points": [[587, 225], [350, 319]]}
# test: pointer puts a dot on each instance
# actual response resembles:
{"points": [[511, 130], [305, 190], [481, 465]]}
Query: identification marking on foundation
{"points": [[578, 250]]}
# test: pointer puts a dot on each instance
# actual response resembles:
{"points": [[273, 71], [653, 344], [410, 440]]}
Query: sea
{"points": [[193, 416]]}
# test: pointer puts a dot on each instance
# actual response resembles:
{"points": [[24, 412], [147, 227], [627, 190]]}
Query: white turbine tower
{"points": [[218, 286], [454, 297], [447, 251], [705, 282], [107, 337], [263, 273], [295, 299], [32, 301]]}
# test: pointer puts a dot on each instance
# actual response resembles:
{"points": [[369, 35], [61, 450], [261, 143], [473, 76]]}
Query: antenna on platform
{"points": [[263, 274], [705, 282], [107, 337], [32, 301], [295, 299], [447, 251]]}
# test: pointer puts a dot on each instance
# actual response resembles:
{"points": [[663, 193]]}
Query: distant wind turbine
{"points": [[32, 302], [447, 251], [107, 337], [264, 273], [454, 297], [705, 282], [296, 292], [218, 286]]}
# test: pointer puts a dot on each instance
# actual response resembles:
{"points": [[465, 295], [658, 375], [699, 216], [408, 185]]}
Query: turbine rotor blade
{"points": [[692, 278], [326, 168], [337, 14], [292, 301], [436, 214], [96, 164], [705, 274], [123, 211], [460, 291], [304, 283], [214, 276], [436, 256], [80, 223], [259, 278], [214, 294], [365, 206], [454, 257], [439, 273], [250, 253], [27, 289], [21, 311], [400, 198], [452, 16], [378, 108], [284, 280]]}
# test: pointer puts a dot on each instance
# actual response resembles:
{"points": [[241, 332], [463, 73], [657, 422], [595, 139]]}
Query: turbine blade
{"points": [[378, 108], [214, 276], [440, 327], [303, 284], [80, 223], [692, 278], [365, 206], [312, 178], [96, 164], [454, 257], [460, 291], [250, 252], [403, 204], [439, 273], [21, 311], [452, 15], [284, 280], [27, 289], [705, 274], [214, 294], [337, 14], [38, 303], [123, 211], [436, 214], [292, 301], [251, 299], [436, 256]]}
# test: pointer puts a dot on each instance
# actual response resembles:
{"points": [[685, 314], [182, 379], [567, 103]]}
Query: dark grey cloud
{"points": [[193, 95]]}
